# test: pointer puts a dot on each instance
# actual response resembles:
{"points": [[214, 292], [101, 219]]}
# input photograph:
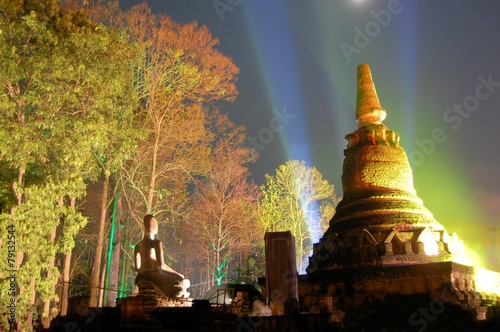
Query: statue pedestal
{"points": [[131, 307], [160, 283]]}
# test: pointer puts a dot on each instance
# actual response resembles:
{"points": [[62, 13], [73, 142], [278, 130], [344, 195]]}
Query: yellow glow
{"points": [[429, 239], [457, 249], [487, 281]]}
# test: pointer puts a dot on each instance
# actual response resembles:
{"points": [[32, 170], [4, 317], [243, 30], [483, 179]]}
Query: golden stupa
{"points": [[380, 219], [383, 247]]}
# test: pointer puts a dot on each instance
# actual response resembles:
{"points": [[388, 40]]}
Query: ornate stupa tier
{"points": [[391, 210], [377, 184], [375, 165]]}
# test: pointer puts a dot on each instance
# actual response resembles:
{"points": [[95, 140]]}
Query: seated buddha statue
{"points": [[153, 273]]}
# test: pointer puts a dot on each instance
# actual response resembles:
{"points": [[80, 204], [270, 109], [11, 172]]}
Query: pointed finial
{"points": [[368, 109]]}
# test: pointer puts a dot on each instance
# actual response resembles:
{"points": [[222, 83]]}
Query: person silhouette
{"points": [[152, 272]]}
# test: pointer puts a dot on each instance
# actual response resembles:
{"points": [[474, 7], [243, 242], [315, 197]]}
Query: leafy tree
{"points": [[60, 76], [297, 199], [120, 133], [29, 129], [180, 76], [179, 73], [223, 220], [251, 267]]}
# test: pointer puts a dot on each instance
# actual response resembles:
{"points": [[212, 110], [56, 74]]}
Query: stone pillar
{"points": [[281, 270]]}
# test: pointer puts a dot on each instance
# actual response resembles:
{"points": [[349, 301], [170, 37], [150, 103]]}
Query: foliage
{"points": [[60, 76], [250, 270], [180, 78], [222, 220], [178, 73], [297, 199], [133, 102]]}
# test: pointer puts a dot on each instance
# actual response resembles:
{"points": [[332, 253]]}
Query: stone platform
{"points": [[406, 297], [187, 319]]}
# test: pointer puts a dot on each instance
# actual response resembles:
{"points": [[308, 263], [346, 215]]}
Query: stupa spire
{"points": [[368, 108]]}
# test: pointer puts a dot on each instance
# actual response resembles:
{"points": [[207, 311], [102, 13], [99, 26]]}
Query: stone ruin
{"points": [[382, 242]]}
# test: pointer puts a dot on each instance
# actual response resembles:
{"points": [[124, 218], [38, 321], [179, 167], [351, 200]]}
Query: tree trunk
{"points": [[126, 266], [94, 286], [20, 254], [101, 293], [65, 284], [32, 302], [46, 306], [66, 273], [20, 180], [152, 180], [114, 256]]}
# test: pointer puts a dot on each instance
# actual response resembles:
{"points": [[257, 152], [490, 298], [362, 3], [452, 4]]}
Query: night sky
{"points": [[436, 66]]}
